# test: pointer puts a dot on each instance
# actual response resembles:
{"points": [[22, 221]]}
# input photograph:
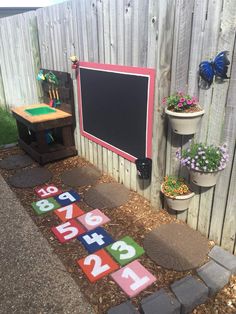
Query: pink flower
{"points": [[180, 105], [194, 100], [180, 93], [182, 100], [189, 102], [164, 100]]}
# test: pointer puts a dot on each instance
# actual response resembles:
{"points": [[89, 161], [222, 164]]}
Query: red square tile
{"points": [[47, 191], [68, 230], [68, 212]]}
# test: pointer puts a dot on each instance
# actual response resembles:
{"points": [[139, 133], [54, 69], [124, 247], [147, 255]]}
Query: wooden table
{"points": [[32, 134]]}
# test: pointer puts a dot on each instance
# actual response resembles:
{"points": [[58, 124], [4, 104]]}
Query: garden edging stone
{"points": [[223, 258]]}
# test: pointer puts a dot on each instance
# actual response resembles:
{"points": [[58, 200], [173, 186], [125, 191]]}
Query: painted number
{"points": [[125, 250], [97, 265], [68, 212], [68, 231], [44, 206], [121, 246], [98, 268], [67, 198], [138, 282], [93, 219], [95, 239], [47, 191], [133, 278]]}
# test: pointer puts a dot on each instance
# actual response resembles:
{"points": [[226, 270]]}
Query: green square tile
{"points": [[125, 250], [45, 205]]}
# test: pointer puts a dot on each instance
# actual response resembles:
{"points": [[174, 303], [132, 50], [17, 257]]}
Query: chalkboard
{"points": [[116, 105]]}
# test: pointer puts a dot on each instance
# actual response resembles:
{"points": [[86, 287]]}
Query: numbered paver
{"points": [[133, 278], [66, 198], [47, 191], [45, 205], [95, 239], [68, 230], [125, 250], [97, 265], [68, 212], [93, 219]]}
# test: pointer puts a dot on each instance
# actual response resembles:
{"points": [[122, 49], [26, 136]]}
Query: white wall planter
{"points": [[179, 203], [184, 123], [205, 179]]}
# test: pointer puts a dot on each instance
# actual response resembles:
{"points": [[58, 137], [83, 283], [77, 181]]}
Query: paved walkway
{"points": [[32, 278]]}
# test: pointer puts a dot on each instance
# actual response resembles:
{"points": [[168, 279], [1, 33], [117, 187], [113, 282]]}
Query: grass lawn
{"points": [[8, 130]]}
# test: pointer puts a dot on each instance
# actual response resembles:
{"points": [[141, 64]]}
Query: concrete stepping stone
{"points": [[160, 303], [190, 292], [30, 178], [106, 195], [15, 162], [223, 258], [80, 176], [176, 246], [123, 308], [214, 276]]}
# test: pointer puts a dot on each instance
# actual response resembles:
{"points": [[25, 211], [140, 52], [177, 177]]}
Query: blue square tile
{"points": [[95, 239], [66, 198]]}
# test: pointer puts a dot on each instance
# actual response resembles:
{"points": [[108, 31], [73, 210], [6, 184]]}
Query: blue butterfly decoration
{"points": [[217, 67]]}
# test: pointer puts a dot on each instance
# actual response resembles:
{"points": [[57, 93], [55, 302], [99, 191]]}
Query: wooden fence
{"points": [[172, 36]]}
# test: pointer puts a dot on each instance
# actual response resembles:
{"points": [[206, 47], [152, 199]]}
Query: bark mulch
{"points": [[136, 218]]}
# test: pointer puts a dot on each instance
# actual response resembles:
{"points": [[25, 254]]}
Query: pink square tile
{"points": [[93, 219], [133, 278]]}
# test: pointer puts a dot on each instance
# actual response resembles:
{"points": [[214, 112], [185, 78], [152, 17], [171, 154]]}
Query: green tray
{"points": [[39, 111]]}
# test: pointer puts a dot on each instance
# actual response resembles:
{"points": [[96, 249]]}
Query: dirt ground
{"points": [[135, 218]]}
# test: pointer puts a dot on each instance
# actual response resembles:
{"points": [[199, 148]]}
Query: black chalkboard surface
{"points": [[115, 108]]}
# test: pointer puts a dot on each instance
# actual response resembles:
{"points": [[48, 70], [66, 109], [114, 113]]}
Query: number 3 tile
{"points": [[133, 278], [125, 250], [97, 265]]}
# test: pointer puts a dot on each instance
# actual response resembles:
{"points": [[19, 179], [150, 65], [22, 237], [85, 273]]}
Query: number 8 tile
{"points": [[97, 265]]}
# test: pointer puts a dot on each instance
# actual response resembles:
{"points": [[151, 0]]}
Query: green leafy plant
{"points": [[180, 102], [202, 157], [175, 186]]}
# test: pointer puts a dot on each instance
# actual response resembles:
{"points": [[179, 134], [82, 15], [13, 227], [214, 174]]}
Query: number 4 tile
{"points": [[133, 278], [97, 265], [95, 239], [125, 250]]}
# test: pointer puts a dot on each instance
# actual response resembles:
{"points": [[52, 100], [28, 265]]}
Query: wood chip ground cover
{"points": [[136, 218]]}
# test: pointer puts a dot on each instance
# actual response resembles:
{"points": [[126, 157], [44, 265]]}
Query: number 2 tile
{"points": [[125, 250], [97, 265], [95, 239], [93, 219], [133, 278]]}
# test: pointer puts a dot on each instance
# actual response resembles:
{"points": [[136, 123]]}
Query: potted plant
{"points": [[204, 162], [184, 113], [176, 192]]}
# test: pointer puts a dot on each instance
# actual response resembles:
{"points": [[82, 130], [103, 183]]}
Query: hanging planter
{"points": [[184, 113], [184, 123], [177, 193], [204, 162]]}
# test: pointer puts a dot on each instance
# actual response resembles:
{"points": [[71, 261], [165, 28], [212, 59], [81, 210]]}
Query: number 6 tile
{"points": [[133, 278], [97, 265], [93, 219]]}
